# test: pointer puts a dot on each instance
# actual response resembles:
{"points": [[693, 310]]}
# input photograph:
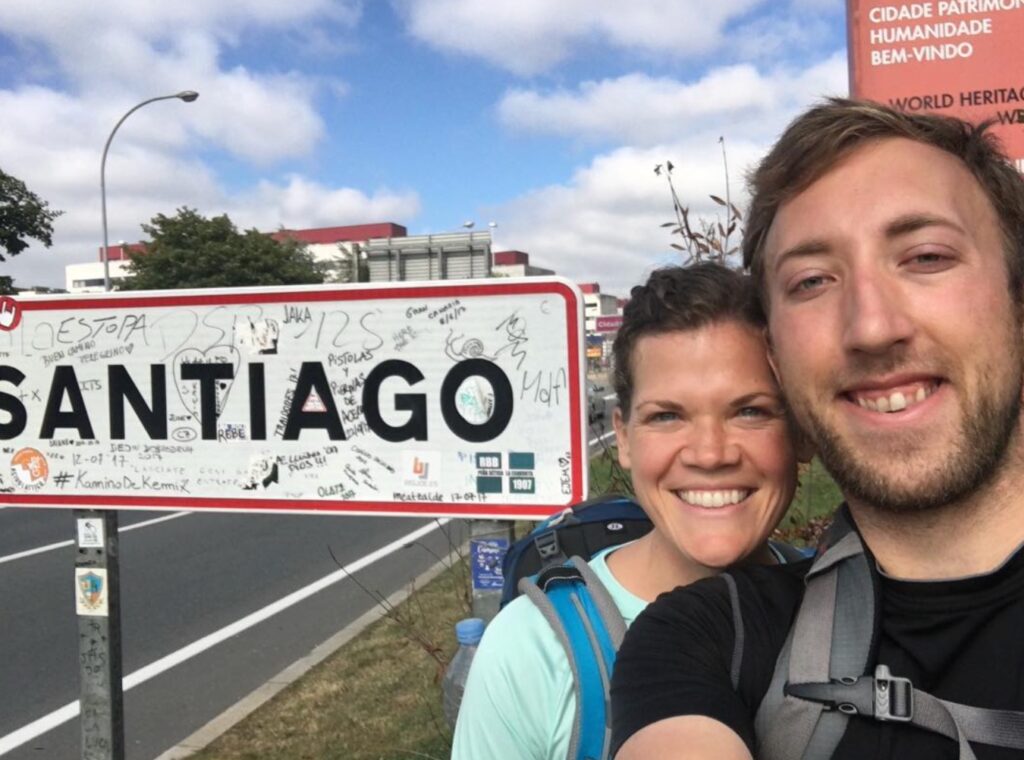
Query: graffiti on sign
{"points": [[343, 398]]}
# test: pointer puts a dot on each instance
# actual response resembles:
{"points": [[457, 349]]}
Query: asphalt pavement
{"points": [[182, 580], [186, 579]]}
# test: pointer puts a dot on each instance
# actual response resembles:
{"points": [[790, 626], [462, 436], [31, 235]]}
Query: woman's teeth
{"points": [[713, 499]]}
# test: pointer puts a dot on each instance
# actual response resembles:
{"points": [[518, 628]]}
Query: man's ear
{"points": [[621, 439]]}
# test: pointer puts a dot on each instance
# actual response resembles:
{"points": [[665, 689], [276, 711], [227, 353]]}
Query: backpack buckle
{"points": [[894, 697], [885, 697], [547, 545]]}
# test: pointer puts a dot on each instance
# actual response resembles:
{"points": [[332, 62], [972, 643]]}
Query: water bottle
{"points": [[468, 632]]}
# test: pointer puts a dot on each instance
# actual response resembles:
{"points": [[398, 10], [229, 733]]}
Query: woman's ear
{"points": [[621, 438]]}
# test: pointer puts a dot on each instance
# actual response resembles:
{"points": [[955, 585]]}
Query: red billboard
{"points": [[958, 57]]}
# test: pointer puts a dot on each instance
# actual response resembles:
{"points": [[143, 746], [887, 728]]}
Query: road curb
{"points": [[263, 694]]}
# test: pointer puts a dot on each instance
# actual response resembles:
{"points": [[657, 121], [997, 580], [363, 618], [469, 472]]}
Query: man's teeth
{"points": [[894, 402], [714, 499]]}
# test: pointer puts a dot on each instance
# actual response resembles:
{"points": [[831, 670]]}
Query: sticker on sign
{"points": [[415, 399]]}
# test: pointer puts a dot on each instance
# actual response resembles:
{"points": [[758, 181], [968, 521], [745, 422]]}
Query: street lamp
{"points": [[186, 95]]}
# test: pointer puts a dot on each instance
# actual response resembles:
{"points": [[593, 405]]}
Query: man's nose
{"points": [[874, 315]]}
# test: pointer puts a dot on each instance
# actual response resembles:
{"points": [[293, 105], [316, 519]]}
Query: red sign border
{"points": [[471, 288]]}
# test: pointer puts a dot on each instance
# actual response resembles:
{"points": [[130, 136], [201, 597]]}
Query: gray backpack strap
{"points": [[739, 634], [610, 615], [833, 633], [812, 696]]}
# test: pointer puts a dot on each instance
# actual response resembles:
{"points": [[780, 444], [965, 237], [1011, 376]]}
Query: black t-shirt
{"points": [[960, 640]]}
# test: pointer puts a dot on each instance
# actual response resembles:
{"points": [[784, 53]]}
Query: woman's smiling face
{"points": [[706, 441]]}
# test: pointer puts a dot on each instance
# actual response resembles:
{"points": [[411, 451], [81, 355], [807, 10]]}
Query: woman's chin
{"points": [[717, 555]]}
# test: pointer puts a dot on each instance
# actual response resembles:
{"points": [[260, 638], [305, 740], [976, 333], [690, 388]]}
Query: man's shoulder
{"points": [[680, 656]]}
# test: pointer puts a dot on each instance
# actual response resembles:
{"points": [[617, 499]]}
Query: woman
{"points": [[701, 427]]}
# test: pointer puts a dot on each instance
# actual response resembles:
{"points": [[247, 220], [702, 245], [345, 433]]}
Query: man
{"points": [[889, 251]]}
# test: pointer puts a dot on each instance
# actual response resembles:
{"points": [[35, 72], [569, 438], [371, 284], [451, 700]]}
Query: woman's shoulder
{"points": [[519, 644], [519, 695]]}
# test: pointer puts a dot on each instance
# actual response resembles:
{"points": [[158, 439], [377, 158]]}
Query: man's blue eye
{"points": [[809, 283]]}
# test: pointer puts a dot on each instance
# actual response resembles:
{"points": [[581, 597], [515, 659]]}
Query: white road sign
{"points": [[448, 398]]}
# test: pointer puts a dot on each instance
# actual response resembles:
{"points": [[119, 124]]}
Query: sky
{"points": [[545, 117]]}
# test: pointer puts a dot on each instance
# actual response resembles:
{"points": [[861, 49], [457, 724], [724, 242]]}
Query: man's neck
{"points": [[969, 537]]}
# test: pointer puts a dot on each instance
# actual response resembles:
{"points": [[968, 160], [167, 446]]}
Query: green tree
{"points": [[190, 251], [23, 216]]}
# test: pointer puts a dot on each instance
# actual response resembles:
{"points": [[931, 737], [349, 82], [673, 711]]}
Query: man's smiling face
{"points": [[892, 325]]}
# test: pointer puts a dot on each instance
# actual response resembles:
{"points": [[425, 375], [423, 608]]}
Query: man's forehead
{"points": [[872, 186]]}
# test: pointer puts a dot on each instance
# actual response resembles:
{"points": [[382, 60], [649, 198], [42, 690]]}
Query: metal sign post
{"points": [[98, 603]]}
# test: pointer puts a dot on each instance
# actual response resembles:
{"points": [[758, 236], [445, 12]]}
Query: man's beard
{"points": [[987, 428]]}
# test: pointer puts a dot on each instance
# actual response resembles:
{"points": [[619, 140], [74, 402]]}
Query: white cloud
{"points": [[105, 57], [530, 36], [774, 38], [736, 100], [604, 223], [300, 203], [148, 183], [834, 7], [149, 167], [63, 20]]}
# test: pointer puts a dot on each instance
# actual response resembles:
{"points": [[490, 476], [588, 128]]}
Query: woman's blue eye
{"points": [[753, 411]]}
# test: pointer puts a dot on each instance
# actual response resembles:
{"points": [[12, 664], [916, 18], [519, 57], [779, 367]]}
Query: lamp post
{"points": [[97, 570], [186, 95]]}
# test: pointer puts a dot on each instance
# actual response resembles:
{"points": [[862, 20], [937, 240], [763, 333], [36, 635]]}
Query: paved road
{"points": [[183, 579]]}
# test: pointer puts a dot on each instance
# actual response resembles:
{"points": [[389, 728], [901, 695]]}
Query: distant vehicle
{"points": [[595, 401]]}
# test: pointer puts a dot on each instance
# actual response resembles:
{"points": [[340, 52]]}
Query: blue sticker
{"points": [[485, 558], [520, 460]]}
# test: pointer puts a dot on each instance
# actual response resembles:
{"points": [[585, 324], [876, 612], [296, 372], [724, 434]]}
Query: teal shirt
{"points": [[519, 702]]}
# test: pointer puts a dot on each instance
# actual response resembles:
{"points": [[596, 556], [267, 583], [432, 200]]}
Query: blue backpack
{"points": [[582, 530], [550, 567]]}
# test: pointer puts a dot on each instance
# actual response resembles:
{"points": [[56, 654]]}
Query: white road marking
{"points": [[70, 711], [604, 437], [609, 397], [71, 542]]}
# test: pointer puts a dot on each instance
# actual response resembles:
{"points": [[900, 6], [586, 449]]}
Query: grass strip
{"points": [[379, 696], [376, 698]]}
